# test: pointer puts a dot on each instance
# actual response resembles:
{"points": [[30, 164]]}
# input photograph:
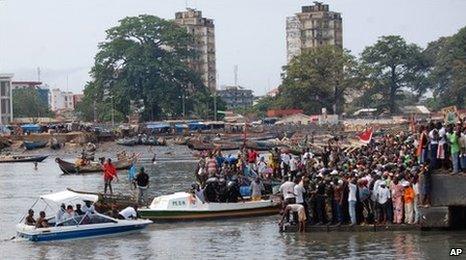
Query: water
{"points": [[252, 238]]}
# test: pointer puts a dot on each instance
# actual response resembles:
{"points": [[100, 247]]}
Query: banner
{"points": [[450, 114], [366, 136]]}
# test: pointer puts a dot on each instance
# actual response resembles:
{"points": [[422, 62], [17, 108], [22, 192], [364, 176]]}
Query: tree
{"points": [[319, 77], [145, 57], [447, 78], [391, 66], [26, 103]]}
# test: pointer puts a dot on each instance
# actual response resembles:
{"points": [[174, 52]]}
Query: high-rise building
{"points": [[61, 100], [314, 26], [203, 30], [236, 97], [6, 99]]}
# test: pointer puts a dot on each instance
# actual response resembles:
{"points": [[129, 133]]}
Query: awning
{"points": [[67, 196]]}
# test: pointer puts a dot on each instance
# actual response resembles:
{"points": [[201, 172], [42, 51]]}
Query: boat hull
{"points": [[25, 159], [70, 168], [192, 215], [34, 145], [81, 233]]}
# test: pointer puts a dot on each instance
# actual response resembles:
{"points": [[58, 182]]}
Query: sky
{"points": [[61, 37]]}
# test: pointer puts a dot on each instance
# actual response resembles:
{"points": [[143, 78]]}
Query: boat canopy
{"points": [[66, 196]]}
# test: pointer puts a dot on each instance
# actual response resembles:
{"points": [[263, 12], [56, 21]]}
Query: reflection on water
{"points": [[20, 185]]}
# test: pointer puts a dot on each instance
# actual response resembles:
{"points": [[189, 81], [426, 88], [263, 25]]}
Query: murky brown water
{"points": [[251, 238]]}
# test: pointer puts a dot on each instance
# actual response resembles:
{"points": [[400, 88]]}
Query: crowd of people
{"points": [[382, 182]]}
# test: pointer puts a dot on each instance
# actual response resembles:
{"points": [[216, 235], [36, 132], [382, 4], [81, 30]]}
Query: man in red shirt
{"points": [[109, 173], [252, 157]]}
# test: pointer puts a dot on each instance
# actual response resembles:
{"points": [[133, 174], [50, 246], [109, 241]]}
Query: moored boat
{"points": [[182, 206], [22, 158], [90, 224], [71, 168], [127, 141], [31, 145]]}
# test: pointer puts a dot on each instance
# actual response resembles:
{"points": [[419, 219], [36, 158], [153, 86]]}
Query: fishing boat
{"points": [[71, 168], [127, 141], [222, 145], [31, 145], [182, 206], [91, 224], [22, 158]]}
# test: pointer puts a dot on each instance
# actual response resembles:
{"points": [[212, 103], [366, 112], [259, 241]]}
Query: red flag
{"points": [[366, 136]]}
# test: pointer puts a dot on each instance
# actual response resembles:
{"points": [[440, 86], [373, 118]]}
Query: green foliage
{"points": [[391, 66], [26, 103], [448, 75], [145, 58], [319, 77]]}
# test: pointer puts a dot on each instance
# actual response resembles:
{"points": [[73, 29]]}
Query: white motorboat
{"points": [[90, 224], [184, 206]]}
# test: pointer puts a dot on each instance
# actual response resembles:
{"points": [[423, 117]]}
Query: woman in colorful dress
{"points": [[397, 199]]}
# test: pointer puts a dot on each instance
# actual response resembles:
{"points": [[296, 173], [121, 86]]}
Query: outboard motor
{"points": [[222, 191], [210, 191]]}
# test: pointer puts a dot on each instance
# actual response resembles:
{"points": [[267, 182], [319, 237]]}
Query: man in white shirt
{"points": [[287, 190], [352, 201], [285, 158], [383, 195], [88, 208], [294, 166], [59, 217]]}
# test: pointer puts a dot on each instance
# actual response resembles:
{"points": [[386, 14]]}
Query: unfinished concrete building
{"points": [[315, 26], [203, 30]]}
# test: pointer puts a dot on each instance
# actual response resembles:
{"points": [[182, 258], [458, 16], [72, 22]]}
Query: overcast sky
{"points": [[61, 37]]}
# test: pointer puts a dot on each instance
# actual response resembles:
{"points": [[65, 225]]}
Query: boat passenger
{"points": [[128, 213], [42, 221], [30, 218], [78, 210], [88, 208], [233, 192], [61, 211], [69, 212], [256, 189]]}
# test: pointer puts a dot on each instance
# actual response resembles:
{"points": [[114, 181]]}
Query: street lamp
{"points": [[183, 98]]}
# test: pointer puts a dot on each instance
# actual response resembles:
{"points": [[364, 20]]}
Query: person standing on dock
{"points": [[109, 173], [132, 176], [409, 203], [352, 201]]}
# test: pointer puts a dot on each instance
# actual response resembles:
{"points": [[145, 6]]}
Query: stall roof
{"points": [[67, 195]]}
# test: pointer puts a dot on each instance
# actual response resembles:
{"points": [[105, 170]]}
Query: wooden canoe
{"points": [[22, 158], [71, 168]]}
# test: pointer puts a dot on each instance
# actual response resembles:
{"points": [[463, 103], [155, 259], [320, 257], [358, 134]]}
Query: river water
{"points": [[252, 238]]}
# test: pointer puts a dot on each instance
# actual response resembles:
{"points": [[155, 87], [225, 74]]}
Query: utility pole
{"points": [[215, 105], [183, 105], [113, 114], [235, 71]]}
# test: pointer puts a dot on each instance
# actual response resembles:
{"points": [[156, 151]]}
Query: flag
{"points": [[366, 136]]}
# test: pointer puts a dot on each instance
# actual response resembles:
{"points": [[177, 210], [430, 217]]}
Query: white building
{"points": [[61, 100], [314, 26], [6, 99], [203, 30]]}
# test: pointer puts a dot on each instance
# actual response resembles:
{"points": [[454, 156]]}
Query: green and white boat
{"points": [[182, 206]]}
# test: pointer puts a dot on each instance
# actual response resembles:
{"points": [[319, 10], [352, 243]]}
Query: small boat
{"points": [[22, 158], [199, 145], [71, 168], [127, 141], [31, 145], [182, 206], [91, 224]]}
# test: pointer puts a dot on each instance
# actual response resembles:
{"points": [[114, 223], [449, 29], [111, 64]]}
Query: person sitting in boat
{"points": [[78, 210], [198, 192], [59, 217], [210, 190], [222, 191], [128, 213], [88, 208], [69, 212], [30, 218], [301, 215], [42, 222], [233, 192]]}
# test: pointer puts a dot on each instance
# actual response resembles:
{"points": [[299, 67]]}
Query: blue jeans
{"points": [[338, 212], [463, 162], [352, 211], [455, 159]]}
